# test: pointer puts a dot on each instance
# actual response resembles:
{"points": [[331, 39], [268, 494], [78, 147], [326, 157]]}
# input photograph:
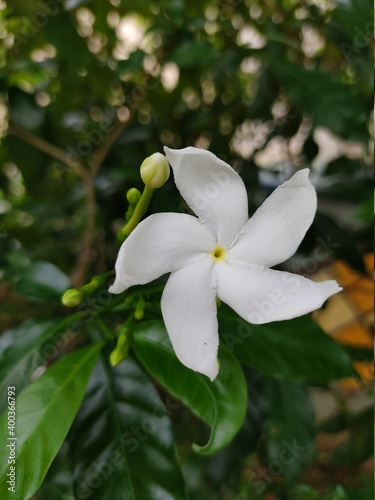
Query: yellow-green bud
{"points": [[133, 196], [121, 351], [72, 297], [116, 357], [139, 314], [129, 300], [140, 309], [155, 171]]}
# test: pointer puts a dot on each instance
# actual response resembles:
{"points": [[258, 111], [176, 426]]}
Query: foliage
{"points": [[88, 89]]}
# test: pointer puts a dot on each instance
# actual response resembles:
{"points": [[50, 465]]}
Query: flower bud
{"points": [[139, 311], [72, 297], [133, 196], [121, 350], [116, 357], [155, 171]]}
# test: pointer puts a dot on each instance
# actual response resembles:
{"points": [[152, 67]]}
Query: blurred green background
{"points": [[89, 88]]}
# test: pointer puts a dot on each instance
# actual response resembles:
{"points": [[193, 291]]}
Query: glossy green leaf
{"points": [[121, 442], [43, 281], [289, 427], [221, 403], [44, 413], [296, 349], [225, 467], [58, 482], [23, 350]]}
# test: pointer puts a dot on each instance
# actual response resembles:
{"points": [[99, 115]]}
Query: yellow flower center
{"points": [[218, 253]]}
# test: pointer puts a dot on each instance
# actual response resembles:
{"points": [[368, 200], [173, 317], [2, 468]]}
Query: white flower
{"points": [[222, 253]]}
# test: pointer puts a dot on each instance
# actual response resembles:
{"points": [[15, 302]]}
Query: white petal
{"points": [[160, 244], [212, 189], [274, 232], [189, 310], [260, 295]]}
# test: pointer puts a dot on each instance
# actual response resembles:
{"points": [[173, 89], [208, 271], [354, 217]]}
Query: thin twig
{"points": [[103, 149], [83, 262], [50, 149], [84, 256]]}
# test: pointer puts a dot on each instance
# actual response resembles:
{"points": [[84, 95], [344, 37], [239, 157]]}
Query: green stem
{"points": [[96, 282], [139, 212], [89, 288], [104, 328]]}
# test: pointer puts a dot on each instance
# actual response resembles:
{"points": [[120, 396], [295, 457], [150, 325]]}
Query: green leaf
{"points": [[121, 441], [58, 482], [365, 211], [355, 17], [289, 427], [45, 411], [133, 63], [23, 350], [314, 92], [196, 53], [352, 188], [306, 492], [363, 493], [337, 241], [221, 403], [342, 165], [223, 469], [340, 493], [296, 349], [43, 281], [359, 446]]}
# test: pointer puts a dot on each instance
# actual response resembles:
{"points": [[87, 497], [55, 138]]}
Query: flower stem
{"points": [[139, 212], [74, 296]]}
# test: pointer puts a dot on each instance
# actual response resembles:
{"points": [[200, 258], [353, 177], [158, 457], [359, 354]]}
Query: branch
{"points": [[83, 262], [84, 257], [50, 149], [102, 150], [88, 176]]}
